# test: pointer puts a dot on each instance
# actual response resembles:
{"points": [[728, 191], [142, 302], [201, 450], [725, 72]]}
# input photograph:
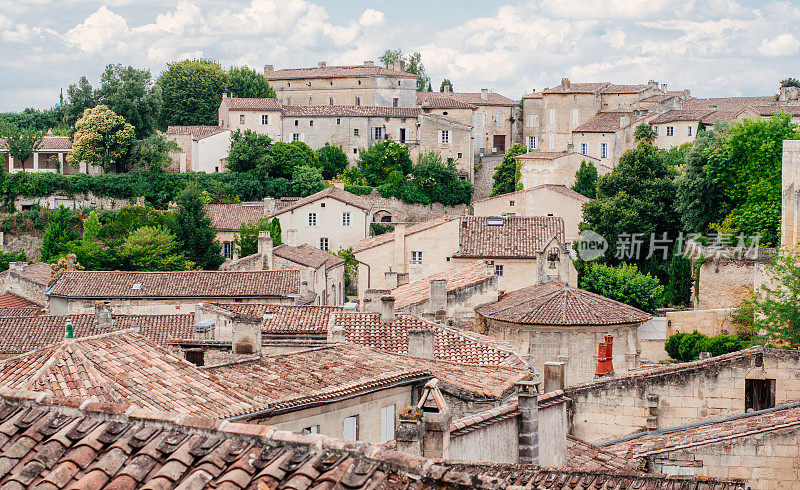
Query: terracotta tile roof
{"points": [[773, 109], [727, 103], [20, 334], [196, 132], [48, 143], [368, 243], [479, 380], [517, 237], [543, 155], [681, 115], [452, 344], [252, 104], [284, 320], [447, 120], [607, 122], [588, 457], [708, 432], [561, 189], [428, 102], [11, 300], [348, 111], [21, 311], [658, 98], [361, 71], [228, 217], [577, 88], [179, 284], [460, 277], [307, 256], [121, 367], [50, 442], [469, 98], [333, 193], [37, 272], [625, 89], [556, 304]]}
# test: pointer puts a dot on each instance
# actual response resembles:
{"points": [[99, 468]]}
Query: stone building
{"points": [[555, 322], [49, 157], [608, 135], [260, 115], [203, 148], [359, 85], [227, 218], [26, 280], [790, 190], [554, 167]]}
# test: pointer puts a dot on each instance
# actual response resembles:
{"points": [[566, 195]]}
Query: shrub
{"points": [[360, 190], [626, 284], [687, 347]]}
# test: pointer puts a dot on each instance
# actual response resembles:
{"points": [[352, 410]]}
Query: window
{"points": [[499, 119], [355, 151], [584, 148], [533, 142], [309, 101], [574, 117], [350, 428], [288, 101], [759, 394], [324, 244], [416, 257], [603, 150], [655, 130], [295, 136], [444, 137], [444, 113], [345, 219], [688, 130], [358, 99], [355, 132], [387, 423], [395, 102], [377, 133], [264, 119], [512, 203], [312, 219], [498, 270], [296, 122], [670, 130], [314, 429], [338, 121], [551, 141], [216, 169], [330, 100], [322, 204], [227, 249], [478, 120], [552, 116], [533, 120], [241, 119], [311, 123]]}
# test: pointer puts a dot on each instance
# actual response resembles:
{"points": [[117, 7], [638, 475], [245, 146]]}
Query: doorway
{"points": [[759, 394], [500, 143], [402, 135]]}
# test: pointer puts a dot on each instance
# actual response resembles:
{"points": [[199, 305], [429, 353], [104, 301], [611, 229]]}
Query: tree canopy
{"points": [[102, 138], [192, 91], [131, 93], [193, 231], [507, 175], [446, 83], [332, 160], [586, 179], [22, 143], [244, 81], [381, 159]]}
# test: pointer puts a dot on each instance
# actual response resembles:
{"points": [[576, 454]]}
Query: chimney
{"points": [[71, 262], [322, 64], [269, 206], [265, 249], [553, 376], [422, 342], [402, 278], [17, 266], [69, 330], [438, 296], [268, 69], [390, 279], [610, 354], [528, 438], [447, 89], [247, 335], [400, 261], [102, 316], [387, 309], [372, 299], [303, 289], [224, 95], [369, 63], [605, 365], [410, 432], [398, 65], [664, 87], [687, 94], [484, 94], [337, 333], [565, 82]]}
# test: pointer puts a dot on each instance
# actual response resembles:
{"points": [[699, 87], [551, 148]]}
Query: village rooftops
{"points": [[282, 320], [460, 277], [507, 236], [687, 115], [367, 70], [561, 189], [727, 103], [11, 300], [349, 111], [556, 304], [433, 102], [307, 256], [252, 104], [179, 284], [568, 87], [384, 238], [38, 273], [488, 98], [53, 143], [196, 132]]}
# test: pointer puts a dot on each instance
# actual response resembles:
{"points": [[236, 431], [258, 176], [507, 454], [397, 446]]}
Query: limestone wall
{"points": [[724, 283], [496, 442], [404, 212]]}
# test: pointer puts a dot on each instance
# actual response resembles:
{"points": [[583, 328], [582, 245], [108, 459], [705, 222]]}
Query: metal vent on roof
{"points": [[269, 315], [138, 285], [204, 326], [494, 221]]}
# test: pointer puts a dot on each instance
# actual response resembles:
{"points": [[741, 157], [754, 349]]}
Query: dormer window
{"points": [[494, 221]]}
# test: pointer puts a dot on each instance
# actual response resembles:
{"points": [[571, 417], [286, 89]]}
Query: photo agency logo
{"points": [[591, 246]]}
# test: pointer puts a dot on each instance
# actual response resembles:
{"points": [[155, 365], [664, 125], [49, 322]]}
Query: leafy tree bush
{"points": [[673, 343], [586, 180], [22, 143], [776, 308], [102, 138], [446, 83], [507, 175], [58, 235], [332, 160], [249, 151], [679, 287], [192, 91], [381, 159], [625, 284], [131, 93], [286, 157], [152, 249], [194, 235], [244, 81], [15, 256], [275, 232], [687, 347], [644, 133], [360, 190], [80, 96], [306, 180], [247, 238], [152, 153], [129, 219]]}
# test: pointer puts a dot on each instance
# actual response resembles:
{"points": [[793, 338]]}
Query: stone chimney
{"points": [[554, 373], [447, 89], [322, 64], [605, 358], [303, 289], [17, 266], [565, 82], [664, 87], [438, 296], [265, 249], [410, 432], [369, 63], [387, 309], [400, 246], [528, 431], [484, 94], [372, 299], [422, 342], [269, 206], [102, 316], [337, 333], [247, 335], [390, 279], [70, 262], [268, 69], [402, 278]]}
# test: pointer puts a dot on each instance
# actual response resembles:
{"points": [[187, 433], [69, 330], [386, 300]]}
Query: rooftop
{"points": [[626, 89], [48, 143], [457, 278], [561, 189], [428, 102], [252, 104], [681, 115], [384, 238], [349, 111], [507, 236], [38, 273], [577, 88], [11, 300], [196, 132], [727, 103], [178, 284], [340, 195], [437, 99], [556, 304], [307, 256], [282, 320], [361, 71], [228, 217]]}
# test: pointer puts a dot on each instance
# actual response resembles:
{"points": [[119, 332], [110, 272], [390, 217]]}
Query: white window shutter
{"points": [[303, 137]]}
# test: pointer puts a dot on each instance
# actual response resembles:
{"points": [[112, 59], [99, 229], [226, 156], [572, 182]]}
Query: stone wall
{"points": [[75, 201], [461, 303], [496, 442], [147, 306], [724, 283], [404, 212], [708, 322]]}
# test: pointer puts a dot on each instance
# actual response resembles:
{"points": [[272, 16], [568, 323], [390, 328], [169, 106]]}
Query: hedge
{"points": [[360, 190]]}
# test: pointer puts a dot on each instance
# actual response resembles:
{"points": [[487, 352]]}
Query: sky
{"points": [[712, 47]]}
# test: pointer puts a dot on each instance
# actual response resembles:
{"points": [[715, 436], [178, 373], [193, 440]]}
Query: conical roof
{"points": [[558, 304]]}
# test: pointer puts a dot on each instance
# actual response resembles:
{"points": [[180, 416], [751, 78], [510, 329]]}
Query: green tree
{"points": [[586, 180], [102, 138], [440, 181], [59, 234], [152, 249], [249, 151], [88, 251], [80, 96], [390, 56], [286, 157], [446, 83], [129, 219], [193, 232], [776, 306], [332, 161], [679, 286], [275, 232], [625, 284], [15, 256], [153, 153], [507, 174], [246, 240], [22, 143], [381, 159], [132, 94], [413, 64], [244, 81], [192, 91], [306, 181], [350, 268], [644, 133]]}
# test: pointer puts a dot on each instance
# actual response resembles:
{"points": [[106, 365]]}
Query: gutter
{"points": [[275, 411]]}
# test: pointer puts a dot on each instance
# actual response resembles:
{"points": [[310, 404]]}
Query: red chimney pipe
{"points": [[605, 357], [601, 360], [610, 354]]}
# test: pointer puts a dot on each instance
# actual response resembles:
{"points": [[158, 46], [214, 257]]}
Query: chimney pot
{"points": [[337, 333], [322, 64], [565, 82], [265, 249], [528, 428], [387, 309], [247, 335], [268, 69], [369, 63], [484, 94], [390, 279], [422, 342], [438, 295], [102, 316]]}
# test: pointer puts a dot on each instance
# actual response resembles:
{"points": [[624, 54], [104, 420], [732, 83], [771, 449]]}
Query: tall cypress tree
{"points": [[193, 231]]}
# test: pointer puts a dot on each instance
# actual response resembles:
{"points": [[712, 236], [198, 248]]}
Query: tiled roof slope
{"points": [[286, 319], [708, 432], [773, 109], [427, 102], [452, 344], [121, 367], [253, 104], [607, 122], [348, 111], [460, 277], [196, 132], [561, 189], [556, 304], [517, 237], [336, 72], [307, 255], [577, 88], [470, 98], [625, 89], [180, 284], [11, 300], [681, 115], [24, 311], [37, 272], [24, 334], [228, 217], [371, 242], [727, 103], [333, 193], [48, 143]]}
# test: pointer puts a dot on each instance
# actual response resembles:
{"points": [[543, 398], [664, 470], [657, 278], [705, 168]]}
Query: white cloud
{"points": [[782, 45], [371, 17], [101, 30], [184, 15], [5, 22]]}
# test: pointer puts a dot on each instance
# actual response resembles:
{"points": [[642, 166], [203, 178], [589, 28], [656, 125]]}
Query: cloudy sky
{"points": [[715, 48]]}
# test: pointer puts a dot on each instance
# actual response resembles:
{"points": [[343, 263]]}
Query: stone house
{"points": [[359, 85], [322, 272], [26, 280], [203, 148], [260, 115], [49, 157], [554, 322], [227, 218], [74, 291], [544, 199], [608, 135], [554, 167]]}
